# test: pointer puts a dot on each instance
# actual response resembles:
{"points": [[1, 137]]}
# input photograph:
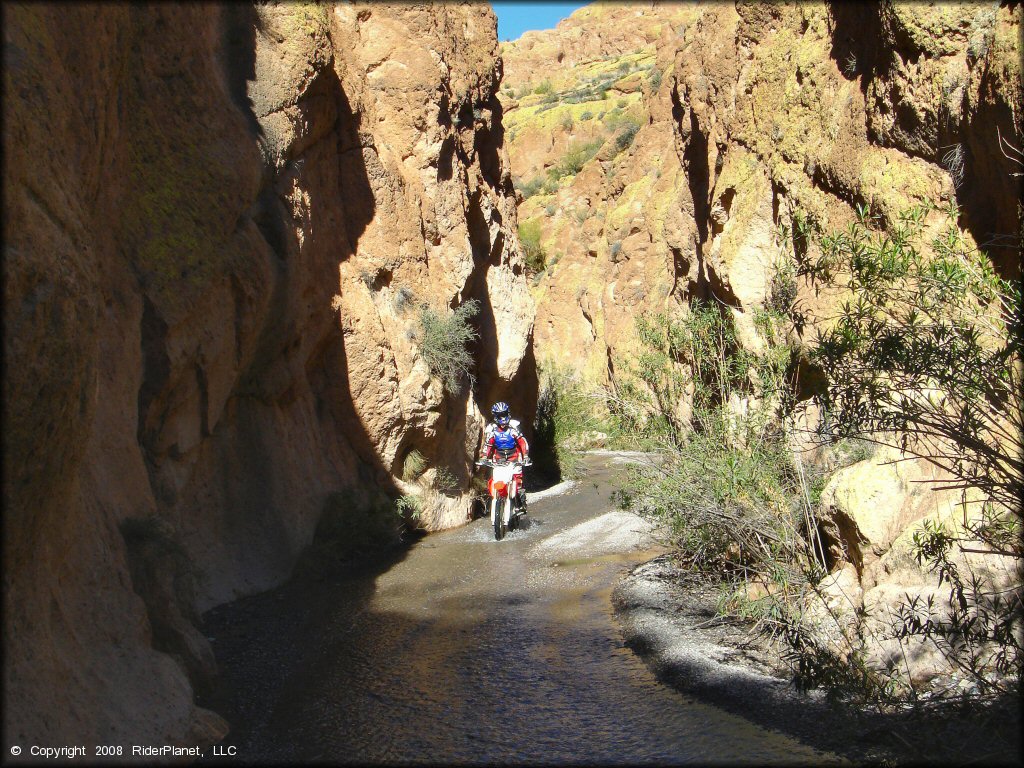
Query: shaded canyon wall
{"points": [[220, 226]]}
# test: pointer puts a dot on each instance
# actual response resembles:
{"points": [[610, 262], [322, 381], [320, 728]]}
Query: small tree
{"points": [[925, 356]]}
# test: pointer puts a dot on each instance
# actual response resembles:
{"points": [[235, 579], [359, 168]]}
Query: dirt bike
{"points": [[503, 488]]}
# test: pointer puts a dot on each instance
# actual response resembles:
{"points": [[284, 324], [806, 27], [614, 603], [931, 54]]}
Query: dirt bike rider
{"points": [[505, 438]]}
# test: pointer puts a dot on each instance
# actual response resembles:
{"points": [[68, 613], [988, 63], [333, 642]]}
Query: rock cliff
{"points": [[752, 122], [743, 113], [221, 224]]}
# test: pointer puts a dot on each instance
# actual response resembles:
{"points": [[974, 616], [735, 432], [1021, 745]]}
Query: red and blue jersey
{"points": [[507, 443]]}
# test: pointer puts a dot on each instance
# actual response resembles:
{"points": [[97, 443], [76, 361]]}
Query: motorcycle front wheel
{"points": [[499, 519]]}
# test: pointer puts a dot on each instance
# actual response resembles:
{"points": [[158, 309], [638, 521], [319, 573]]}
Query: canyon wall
{"points": [[747, 112], [753, 120], [221, 225]]}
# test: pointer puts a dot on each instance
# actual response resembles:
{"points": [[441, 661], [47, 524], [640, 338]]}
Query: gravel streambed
{"points": [[670, 619]]}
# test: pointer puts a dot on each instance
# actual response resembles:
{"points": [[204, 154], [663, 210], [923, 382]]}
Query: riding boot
{"points": [[521, 498]]}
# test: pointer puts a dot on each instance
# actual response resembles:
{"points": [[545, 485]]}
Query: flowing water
{"points": [[469, 650]]}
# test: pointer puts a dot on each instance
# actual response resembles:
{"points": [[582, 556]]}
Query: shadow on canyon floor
{"points": [[262, 640]]}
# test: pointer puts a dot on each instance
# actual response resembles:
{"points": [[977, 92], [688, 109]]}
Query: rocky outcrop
{"points": [[602, 93], [220, 225], [759, 122], [751, 112]]}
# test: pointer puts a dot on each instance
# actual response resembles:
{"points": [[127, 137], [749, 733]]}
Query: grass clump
{"points": [[536, 256], [566, 412], [414, 465], [444, 344]]}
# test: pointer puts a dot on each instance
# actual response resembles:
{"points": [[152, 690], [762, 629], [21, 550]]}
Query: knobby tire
{"points": [[499, 519]]}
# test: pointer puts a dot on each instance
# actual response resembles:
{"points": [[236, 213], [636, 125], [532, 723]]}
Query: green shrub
{"points": [[409, 507], [529, 236], [624, 138], [782, 290], [530, 188], [444, 340], [727, 490], [544, 88], [725, 495], [576, 157], [446, 482], [565, 410]]}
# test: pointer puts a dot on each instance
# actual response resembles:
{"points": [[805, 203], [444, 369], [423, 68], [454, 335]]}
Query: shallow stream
{"points": [[468, 650]]}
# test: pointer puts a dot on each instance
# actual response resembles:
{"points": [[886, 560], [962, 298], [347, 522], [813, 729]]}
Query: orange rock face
{"points": [[756, 126], [221, 224], [747, 115]]}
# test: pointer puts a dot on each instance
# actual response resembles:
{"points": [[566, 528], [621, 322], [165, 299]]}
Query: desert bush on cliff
{"points": [[530, 188], [576, 157], [624, 139], [536, 256], [444, 344]]}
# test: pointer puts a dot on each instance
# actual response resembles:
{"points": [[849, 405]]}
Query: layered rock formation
{"points": [[749, 113], [758, 123], [221, 224]]}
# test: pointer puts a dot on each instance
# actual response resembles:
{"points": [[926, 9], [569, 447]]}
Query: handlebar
{"points": [[492, 463]]}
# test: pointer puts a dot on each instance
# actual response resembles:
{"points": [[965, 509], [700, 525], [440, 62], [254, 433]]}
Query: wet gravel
{"points": [[669, 617]]}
